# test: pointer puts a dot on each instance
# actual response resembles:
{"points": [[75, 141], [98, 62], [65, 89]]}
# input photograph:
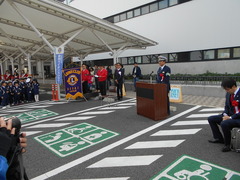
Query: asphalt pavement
{"points": [[95, 140]]}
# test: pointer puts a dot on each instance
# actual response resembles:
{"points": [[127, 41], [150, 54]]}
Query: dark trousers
{"points": [[85, 87], [102, 87], [16, 99], [5, 100], [119, 90], [226, 126], [96, 83]]}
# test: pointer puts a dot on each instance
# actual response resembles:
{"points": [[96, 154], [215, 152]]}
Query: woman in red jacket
{"points": [[7, 76], [85, 78], [102, 77]]}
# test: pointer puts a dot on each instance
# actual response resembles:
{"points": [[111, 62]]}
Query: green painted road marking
{"points": [[34, 115], [189, 168], [67, 141]]}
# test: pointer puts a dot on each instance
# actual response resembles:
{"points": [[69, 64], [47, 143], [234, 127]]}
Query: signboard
{"points": [[73, 139], [176, 94], [34, 115], [73, 83], [59, 56], [189, 168]]}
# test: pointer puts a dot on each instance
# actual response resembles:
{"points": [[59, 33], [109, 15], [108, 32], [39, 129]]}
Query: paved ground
{"points": [[90, 140]]}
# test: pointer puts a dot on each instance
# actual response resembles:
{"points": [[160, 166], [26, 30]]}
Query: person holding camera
{"points": [[8, 141]]}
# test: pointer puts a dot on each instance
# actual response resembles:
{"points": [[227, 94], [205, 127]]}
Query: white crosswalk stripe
{"points": [[176, 132], [17, 111], [115, 108], [35, 107], [201, 115], [211, 109], [48, 125], [76, 118], [116, 178], [155, 144], [96, 112], [198, 122], [125, 161], [127, 104], [29, 133]]}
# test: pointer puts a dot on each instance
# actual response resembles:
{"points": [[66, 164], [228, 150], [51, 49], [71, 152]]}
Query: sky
{"points": [[105, 8]]}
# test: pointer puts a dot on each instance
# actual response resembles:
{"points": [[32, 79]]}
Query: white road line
{"points": [[76, 118], [73, 113], [29, 133], [176, 132], [198, 122], [201, 115], [115, 108], [17, 111], [125, 161], [116, 178], [109, 147], [1, 115], [96, 112], [35, 107], [155, 144], [211, 109], [127, 104], [48, 125]]}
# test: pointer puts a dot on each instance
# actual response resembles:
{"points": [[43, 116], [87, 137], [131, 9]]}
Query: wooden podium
{"points": [[152, 100]]}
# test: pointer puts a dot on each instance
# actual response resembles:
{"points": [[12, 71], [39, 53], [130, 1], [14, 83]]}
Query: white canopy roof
{"points": [[58, 23]]}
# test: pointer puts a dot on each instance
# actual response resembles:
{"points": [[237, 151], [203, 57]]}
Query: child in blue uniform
{"points": [[17, 93], [36, 90], [4, 94], [29, 90], [11, 93]]}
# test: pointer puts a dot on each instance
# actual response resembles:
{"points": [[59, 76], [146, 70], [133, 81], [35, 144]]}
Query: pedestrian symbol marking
{"points": [[189, 168], [34, 115], [67, 141]]}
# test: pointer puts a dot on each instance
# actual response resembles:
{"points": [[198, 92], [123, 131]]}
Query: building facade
{"points": [[196, 36]]}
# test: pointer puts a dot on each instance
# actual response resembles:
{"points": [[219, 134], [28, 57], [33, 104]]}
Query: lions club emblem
{"points": [[72, 80]]}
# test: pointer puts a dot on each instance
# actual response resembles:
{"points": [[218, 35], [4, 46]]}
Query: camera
{"points": [[16, 123]]}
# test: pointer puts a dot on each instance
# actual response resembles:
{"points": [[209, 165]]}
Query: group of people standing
{"points": [[100, 79], [15, 90]]}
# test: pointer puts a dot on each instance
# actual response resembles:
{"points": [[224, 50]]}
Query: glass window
{"points": [[209, 54], [163, 4], [236, 52], [146, 59], [196, 56], [116, 18], [137, 12], [145, 9], [138, 59], [129, 14], [154, 59], [173, 57], [124, 60], [131, 60], [223, 53], [123, 17], [153, 7], [173, 2]]}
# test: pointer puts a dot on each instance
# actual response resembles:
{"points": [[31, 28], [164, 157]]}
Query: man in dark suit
{"points": [[163, 76], [136, 73], [119, 76], [230, 117]]}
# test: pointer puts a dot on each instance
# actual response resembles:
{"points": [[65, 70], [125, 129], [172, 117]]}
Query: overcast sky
{"points": [[105, 8]]}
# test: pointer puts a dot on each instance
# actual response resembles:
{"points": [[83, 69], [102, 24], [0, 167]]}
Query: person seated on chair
{"points": [[230, 117]]}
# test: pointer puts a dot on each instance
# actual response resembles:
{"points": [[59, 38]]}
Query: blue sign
{"points": [[59, 64]]}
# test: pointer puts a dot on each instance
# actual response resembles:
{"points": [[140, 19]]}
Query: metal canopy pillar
{"points": [[115, 53], [29, 64]]}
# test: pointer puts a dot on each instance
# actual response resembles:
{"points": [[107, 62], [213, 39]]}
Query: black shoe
{"points": [[216, 141], [226, 149]]}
